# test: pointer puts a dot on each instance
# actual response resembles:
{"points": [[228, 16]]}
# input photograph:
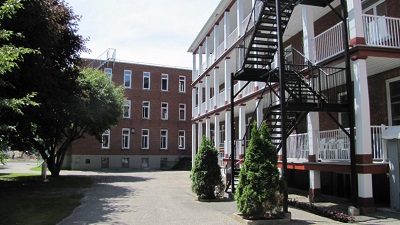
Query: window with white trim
{"points": [[164, 82], [127, 78], [182, 84], [108, 71], [164, 139], [127, 109], [145, 138], [125, 138], [393, 96], [181, 139], [164, 111], [374, 7], [146, 110], [182, 112], [146, 80], [105, 140]]}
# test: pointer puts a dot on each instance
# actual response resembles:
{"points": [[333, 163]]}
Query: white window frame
{"points": [[184, 112], [389, 102], [106, 135], [164, 139], [128, 74], [145, 139], [108, 71], [181, 139], [126, 138], [146, 109], [146, 75], [164, 110], [182, 84], [373, 7], [127, 108], [164, 77]]}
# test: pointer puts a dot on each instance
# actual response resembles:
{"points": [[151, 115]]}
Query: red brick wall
{"points": [[393, 7], [136, 94]]}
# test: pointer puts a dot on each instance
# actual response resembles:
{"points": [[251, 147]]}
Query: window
{"points": [[393, 87], [127, 109], [164, 139], [182, 84], [108, 71], [145, 139], [145, 163], [164, 111], [127, 78], [164, 82], [146, 81], [125, 162], [182, 111], [181, 139], [105, 163], [374, 7], [105, 140], [125, 138], [87, 161], [163, 163], [146, 110]]}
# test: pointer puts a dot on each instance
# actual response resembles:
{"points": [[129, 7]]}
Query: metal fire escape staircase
{"points": [[307, 87]]}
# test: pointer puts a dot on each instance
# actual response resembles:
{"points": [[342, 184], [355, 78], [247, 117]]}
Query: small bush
{"points": [[206, 173]]}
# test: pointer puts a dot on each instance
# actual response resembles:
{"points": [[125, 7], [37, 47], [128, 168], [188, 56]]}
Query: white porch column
{"points": [[207, 46], [200, 60], [227, 81], [356, 28], [208, 128], [194, 146], [259, 115], [216, 41], [242, 131], [216, 89], [363, 128], [312, 117], [207, 93], [200, 132], [194, 71], [216, 131], [227, 144], [239, 11], [194, 92], [226, 29], [200, 97]]}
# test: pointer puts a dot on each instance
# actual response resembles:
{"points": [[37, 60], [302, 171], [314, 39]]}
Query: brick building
{"points": [[238, 48], [154, 131]]}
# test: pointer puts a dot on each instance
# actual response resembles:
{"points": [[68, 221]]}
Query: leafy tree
{"points": [[10, 55], [70, 104], [206, 173], [258, 193]]}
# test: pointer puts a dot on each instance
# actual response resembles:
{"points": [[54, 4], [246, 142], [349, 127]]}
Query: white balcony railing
{"points": [[335, 145], [329, 42], [381, 31]]}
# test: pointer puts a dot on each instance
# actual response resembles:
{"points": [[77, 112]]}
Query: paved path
{"points": [[163, 197]]}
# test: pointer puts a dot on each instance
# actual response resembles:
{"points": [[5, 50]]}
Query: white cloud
{"points": [[157, 31]]}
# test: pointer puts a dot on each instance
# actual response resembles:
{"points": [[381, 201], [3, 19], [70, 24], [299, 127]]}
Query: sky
{"points": [[146, 31]]}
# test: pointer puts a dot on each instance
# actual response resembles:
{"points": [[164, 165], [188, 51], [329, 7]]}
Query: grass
{"points": [[26, 199]]}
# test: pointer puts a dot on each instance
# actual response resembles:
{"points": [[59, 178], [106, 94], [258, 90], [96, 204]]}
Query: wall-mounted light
{"points": [[132, 130]]}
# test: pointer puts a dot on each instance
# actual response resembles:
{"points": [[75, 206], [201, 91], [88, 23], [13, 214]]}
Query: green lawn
{"points": [[26, 199]]}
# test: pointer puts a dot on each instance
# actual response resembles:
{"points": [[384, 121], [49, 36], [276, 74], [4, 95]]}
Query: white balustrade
{"points": [[329, 42], [381, 31]]}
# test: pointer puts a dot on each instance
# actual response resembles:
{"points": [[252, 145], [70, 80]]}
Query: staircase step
{"points": [[265, 43], [266, 28], [260, 56], [252, 62], [264, 35], [261, 49]]}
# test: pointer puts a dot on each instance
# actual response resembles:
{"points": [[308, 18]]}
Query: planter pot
{"points": [[285, 220]]}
